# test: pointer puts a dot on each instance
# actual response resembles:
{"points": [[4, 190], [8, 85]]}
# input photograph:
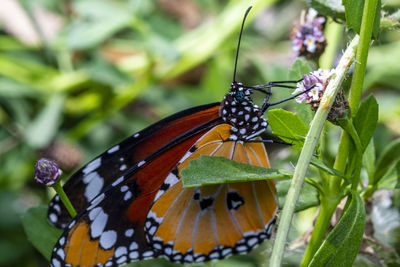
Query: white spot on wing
{"points": [[128, 195], [122, 260], [99, 223], [136, 135], [118, 181], [88, 177], [141, 163], [120, 251], [61, 253], [129, 232], [185, 156], [55, 263], [113, 149], [123, 167], [241, 248], [134, 255], [94, 187], [53, 217], [252, 241], [57, 208], [148, 254], [92, 166], [108, 239], [171, 179], [133, 246], [96, 201]]}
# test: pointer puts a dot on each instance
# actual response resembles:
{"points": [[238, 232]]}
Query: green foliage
{"points": [[288, 126], [366, 119], [354, 12], [387, 159], [40, 233], [208, 170], [342, 244], [42, 130], [298, 69], [326, 168], [308, 197], [328, 8], [97, 21]]}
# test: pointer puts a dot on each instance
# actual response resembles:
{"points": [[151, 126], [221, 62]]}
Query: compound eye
{"points": [[239, 96]]}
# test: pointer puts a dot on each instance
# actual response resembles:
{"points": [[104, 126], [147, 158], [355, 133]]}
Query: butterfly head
{"points": [[239, 110]]}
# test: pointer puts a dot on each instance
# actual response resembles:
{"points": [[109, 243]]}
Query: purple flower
{"points": [[313, 85], [317, 80], [47, 171], [307, 36]]}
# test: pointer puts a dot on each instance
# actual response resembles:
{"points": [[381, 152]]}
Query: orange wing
{"points": [[91, 179], [211, 222], [110, 230]]}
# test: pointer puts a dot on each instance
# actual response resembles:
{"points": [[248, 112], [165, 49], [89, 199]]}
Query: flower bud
{"points": [[47, 171]]}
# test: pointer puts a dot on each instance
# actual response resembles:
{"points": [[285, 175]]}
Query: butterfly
{"points": [[132, 204]]}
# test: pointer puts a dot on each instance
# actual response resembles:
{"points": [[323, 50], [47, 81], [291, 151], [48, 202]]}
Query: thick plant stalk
{"points": [[308, 150]]}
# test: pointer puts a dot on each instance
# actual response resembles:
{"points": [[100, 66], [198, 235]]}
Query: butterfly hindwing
{"points": [[91, 179], [211, 222]]}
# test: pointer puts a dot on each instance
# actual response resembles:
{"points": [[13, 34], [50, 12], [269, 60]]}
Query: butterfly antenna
{"points": [[267, 104], [238, 46]]}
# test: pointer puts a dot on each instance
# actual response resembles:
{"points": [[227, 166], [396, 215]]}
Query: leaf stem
{"points": [[308, 150], [65, 200]]}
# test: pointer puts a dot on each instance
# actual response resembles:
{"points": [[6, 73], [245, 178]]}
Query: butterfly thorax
{"points": [[238, 110]]}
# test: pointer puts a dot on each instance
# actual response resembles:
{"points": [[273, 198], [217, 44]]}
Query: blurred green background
{"points": [[77, 76]]}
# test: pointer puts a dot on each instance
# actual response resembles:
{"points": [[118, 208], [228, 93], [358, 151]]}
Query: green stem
{"points": [[367, 24], [327, 208], [340, 162], [308, 150], [356, 87], [65, 200]]}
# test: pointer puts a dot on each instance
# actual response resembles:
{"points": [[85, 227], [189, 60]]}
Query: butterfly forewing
{"points": [[91, 180], [110, 230]]}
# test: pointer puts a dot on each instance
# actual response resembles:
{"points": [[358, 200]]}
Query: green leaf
{"points": [[308, 196], [39, 232], [288, 126], [369, 159], [391, 179], [96, 21], [304, 111], [328, 8], [298, 69], [342, 244], [217, 170], [323, 166], [354, 12], [42, 129], [366, 119], [389, 156]]}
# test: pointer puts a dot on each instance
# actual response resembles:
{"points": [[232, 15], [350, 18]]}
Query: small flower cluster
{"points": [[314, 85], [307, 35], [47, 171]]}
